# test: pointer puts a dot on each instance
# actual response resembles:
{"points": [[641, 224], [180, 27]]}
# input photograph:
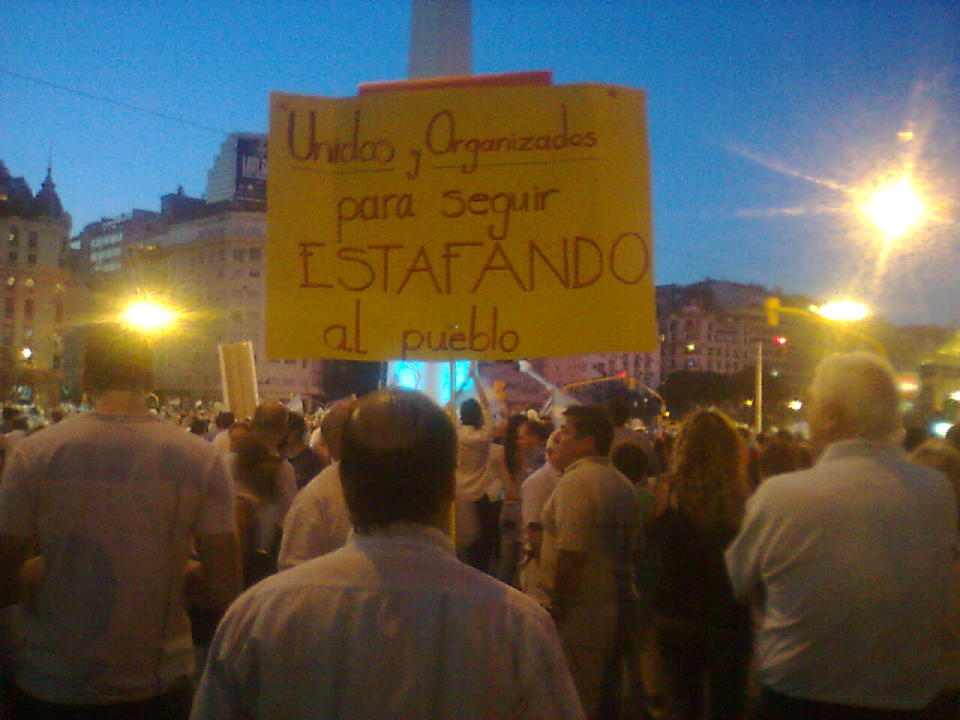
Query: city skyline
{"points": [[763, 122]]}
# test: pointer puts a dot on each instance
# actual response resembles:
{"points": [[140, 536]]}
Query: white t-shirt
{"points": [[473, 455], [113, 502], [390, 626], [221, 442], [318, 521]]}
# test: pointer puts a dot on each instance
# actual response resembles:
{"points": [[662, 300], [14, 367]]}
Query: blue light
{"points": [[407, 375], [461, 373]]}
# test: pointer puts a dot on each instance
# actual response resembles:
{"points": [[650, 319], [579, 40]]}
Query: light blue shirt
{"points": [[854, 557], [390, 626]]}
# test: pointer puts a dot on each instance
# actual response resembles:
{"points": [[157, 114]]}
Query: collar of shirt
{"points": [[860, 448], [403, 533], [595, 459]]}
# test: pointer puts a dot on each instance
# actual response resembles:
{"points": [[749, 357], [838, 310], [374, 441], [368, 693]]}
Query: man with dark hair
{"points": [[478, 492], [221, 431], [306, 463], [319, 521], [109, 504], [592, 533], [619, 409], [270, 422], [392, 625]]}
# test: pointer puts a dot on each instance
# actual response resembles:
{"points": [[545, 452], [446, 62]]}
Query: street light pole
{"points": [[758, 402]]}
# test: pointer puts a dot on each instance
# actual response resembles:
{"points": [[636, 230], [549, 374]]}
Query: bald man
{"points": [[392, 624], [318, 521]]}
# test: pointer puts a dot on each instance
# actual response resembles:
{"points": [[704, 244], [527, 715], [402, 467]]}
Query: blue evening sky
{"points": [[762, 114]]}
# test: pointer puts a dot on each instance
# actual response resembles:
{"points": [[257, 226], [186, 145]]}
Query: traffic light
{"points": [[500, 391], [771, 307], [780, 340]]}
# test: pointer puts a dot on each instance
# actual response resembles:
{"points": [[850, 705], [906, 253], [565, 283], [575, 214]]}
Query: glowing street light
{"points": [[26, 353], [895, 207], [148, 316], [843, 311]]}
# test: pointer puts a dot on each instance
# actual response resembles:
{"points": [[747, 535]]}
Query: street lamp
{"points": [[894, 207], [149, 316], [843, 311]]}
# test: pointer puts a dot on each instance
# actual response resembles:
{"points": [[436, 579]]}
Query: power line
{"points": [[118, 103]]}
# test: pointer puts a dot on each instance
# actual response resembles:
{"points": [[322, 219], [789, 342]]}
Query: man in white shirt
{"points": [[112, 501], [850, 560], [535, 492], [392, 625], [592, 531], [478, 469], [319, 521]]}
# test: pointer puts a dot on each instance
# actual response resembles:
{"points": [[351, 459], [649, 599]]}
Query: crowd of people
{"points": [[391, 563]]}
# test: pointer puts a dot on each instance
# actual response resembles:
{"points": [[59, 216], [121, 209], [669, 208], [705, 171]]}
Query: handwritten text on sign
{"points": [[487, 223]]}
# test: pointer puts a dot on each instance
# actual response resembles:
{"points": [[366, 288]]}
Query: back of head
{"points": [[398, 460], [256, 467], [271, 417], [331, 425], [708, 466], [777, 457], [592, 421], [296, 425], [619, 408], [116, 358], [940, 455], [953, 436], [225, 419], [854, 396], [471, 413], [631, 460]]}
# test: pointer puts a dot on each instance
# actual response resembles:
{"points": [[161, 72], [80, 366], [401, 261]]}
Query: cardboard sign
{"points": [[481, 223]]}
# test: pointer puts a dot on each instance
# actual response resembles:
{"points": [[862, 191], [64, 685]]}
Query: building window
{"points": [[11, 258], [29, 282], [9, 308], [239, 254], [32, 238], [31, 259], [11, 281], [28, 309], [255, 254], [13, 239]]}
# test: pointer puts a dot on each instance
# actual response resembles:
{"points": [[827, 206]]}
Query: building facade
{"points": [[39, 293]]}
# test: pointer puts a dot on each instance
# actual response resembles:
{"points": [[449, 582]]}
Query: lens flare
{"points": [[148, 317], [895, 207]]}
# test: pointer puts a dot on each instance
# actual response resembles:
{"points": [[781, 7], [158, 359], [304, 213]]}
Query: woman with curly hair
{"points": [[703, 633]]}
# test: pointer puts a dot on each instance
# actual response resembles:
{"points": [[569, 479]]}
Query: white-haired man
{"points": [[850, 560]]}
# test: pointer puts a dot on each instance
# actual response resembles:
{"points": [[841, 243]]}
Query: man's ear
{"points": [[833, 420], [589, 444]]}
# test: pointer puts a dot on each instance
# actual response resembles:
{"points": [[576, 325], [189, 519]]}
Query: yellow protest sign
{"points": [[483, 223]]}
